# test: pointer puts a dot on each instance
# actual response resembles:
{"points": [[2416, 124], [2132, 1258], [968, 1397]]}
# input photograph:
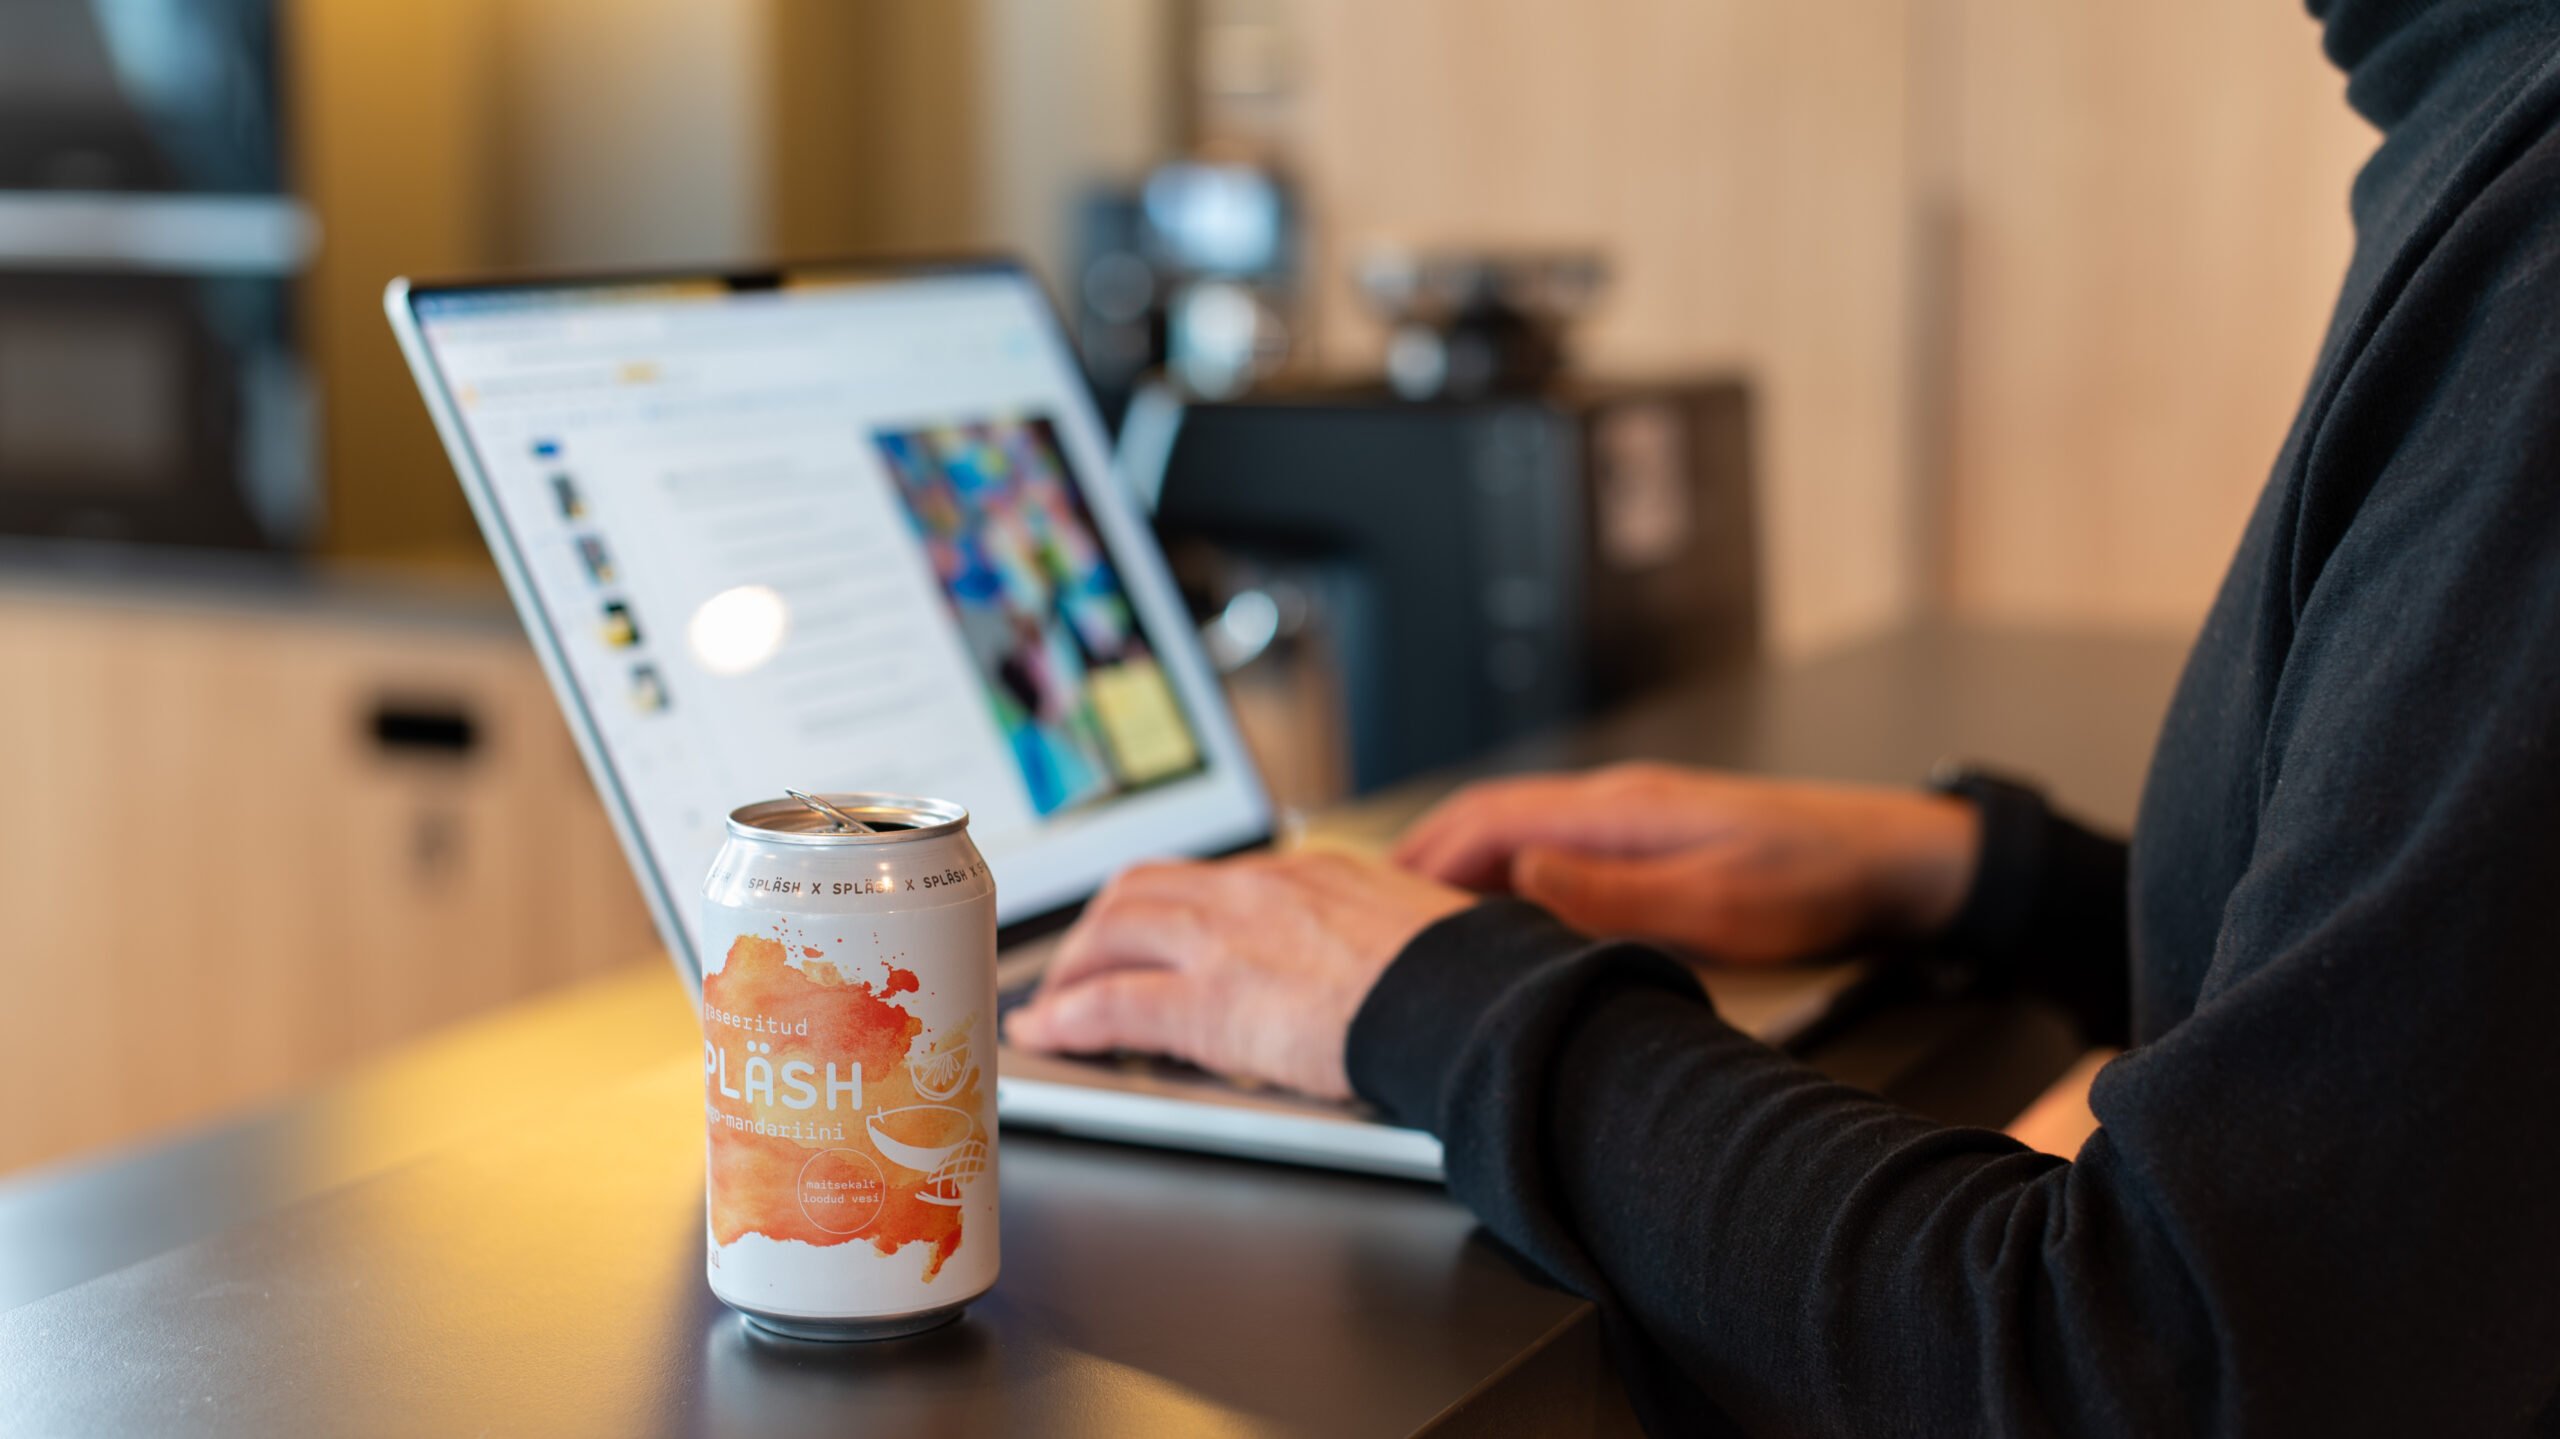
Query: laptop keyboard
{"points": [[1009, 1000], [1127, 1061]]}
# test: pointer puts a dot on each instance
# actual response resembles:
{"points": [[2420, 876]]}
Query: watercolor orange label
{"points": [[838, 1116]]}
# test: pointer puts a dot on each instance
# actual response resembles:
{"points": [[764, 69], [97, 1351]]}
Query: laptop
{"points": [[711, 496]]}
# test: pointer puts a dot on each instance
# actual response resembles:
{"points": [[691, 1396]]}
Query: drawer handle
{"points": [[427, 731]]}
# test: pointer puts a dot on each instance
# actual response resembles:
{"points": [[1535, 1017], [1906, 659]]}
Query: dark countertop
{"points": [[500, 1229]]}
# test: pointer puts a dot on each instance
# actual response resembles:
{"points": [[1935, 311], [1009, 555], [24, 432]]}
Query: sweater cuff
{"points": [[1990, 926], [2047, 911], [1406, 1038]]}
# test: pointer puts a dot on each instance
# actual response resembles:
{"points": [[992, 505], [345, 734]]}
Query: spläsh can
{"points": [[848, 1061]]}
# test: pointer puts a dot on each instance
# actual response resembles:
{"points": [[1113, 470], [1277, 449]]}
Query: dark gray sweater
{"points": [[2326, 1195]]}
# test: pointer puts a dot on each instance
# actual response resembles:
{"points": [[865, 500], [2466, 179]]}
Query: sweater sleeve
{"points": [[2321, 1198], [1800, 1256], [2307, 1210], [2046, 912]]}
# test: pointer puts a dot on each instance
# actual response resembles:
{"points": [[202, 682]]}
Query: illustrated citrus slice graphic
{"points": [[948, 1183], [940, 1073], [920, 1136]]}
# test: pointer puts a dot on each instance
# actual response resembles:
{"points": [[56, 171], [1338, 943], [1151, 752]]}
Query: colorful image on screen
{"points": [[1072, 684]]}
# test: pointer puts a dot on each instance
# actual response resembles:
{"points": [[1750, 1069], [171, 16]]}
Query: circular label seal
{"points": [[842, 1190]]}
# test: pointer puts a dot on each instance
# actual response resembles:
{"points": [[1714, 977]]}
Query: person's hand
{"points": [[1746, 870], [1250, 967]]}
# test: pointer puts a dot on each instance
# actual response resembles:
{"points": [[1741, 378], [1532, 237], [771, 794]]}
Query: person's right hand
{"points": [[1746, 870]]}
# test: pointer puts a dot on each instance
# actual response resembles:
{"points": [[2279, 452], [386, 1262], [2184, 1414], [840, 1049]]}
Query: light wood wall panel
{"points": [[1074, 95], [876, 117], [444, 137], [2030, 290], [636, 132], [2150, 209], [396, 108], [1746, 168]]}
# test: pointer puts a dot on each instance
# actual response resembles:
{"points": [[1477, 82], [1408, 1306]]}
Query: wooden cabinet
{"points": [[245, 840]]}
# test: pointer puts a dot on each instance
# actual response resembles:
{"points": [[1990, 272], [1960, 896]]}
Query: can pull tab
{"points": [[835, 816]]}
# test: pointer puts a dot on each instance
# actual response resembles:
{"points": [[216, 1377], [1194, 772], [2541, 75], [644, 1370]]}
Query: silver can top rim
{"points": [[897, 818]]}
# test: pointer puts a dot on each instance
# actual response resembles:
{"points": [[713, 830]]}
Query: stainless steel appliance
{"points": [[150, 388]]}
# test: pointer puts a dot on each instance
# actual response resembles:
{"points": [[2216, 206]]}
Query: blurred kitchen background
{"points": [[1813, 321]]}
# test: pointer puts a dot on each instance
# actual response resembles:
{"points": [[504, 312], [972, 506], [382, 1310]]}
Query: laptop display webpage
{"points": [[840, 535]]}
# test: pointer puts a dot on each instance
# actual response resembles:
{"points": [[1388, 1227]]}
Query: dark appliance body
{"points": [[151, 388], [1487, 569]]}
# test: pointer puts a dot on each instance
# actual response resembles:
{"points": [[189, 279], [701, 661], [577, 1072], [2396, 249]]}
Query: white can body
{"points": [[849, 1052]]}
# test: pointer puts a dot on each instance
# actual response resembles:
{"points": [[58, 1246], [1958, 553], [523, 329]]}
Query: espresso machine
{"points": [[1474, 570], [1401, 573]]}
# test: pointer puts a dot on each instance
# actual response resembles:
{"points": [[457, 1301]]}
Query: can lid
{"points": [[891, 819]]}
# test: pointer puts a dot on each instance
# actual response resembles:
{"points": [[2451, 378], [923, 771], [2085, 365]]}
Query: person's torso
{"points": [[2198, 827]]}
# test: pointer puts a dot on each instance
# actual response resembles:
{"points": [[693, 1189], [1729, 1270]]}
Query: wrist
{"points": [[1932, 849]]}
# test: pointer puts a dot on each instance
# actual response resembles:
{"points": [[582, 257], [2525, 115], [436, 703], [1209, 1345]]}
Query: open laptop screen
{"points": [[840, 532]]}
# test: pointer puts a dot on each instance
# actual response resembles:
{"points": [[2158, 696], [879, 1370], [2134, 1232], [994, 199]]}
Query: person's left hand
{"points": [[1249, 967]]}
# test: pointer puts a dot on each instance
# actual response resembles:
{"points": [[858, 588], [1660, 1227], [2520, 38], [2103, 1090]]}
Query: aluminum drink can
{"points": [[849, 1054]]}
